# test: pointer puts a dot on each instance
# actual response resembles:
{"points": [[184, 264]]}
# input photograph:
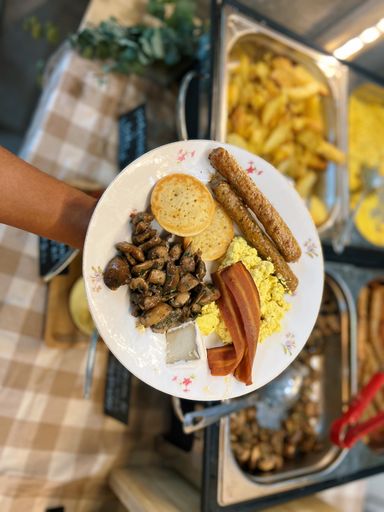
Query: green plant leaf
{"points": [[146, 46], [131, 49], [157, 44]]}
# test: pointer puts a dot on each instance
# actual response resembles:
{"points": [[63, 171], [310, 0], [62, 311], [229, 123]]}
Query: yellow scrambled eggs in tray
{"points": [[366, 135], [271, 291]]}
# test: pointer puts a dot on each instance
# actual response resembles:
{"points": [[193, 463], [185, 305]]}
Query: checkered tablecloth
{"points": [[57, 448]]}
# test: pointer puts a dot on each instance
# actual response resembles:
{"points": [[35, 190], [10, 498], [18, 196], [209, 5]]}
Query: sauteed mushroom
{"points": [[173, 276], [187, 282], [187, 261], [156, 314], [144, 236], [157, 277], [158, 263], [165, 280], [155, 240], [175, 252], [149, 302], [132, 250], [180, 300], [140, 227], [141, 217], [138, 283], [116, 273], [160, 251], [200, 268], [172, 320], [208, 294], [261, 449], [140, 268]]}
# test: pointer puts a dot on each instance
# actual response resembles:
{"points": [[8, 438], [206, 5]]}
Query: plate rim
{"points": [[99, 204]]}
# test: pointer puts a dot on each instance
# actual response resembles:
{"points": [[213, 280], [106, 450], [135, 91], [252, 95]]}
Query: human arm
{"points": [[34, 201]]}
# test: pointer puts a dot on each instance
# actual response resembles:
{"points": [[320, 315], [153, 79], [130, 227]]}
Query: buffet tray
{"points": [[339, 360], [236, 29]]}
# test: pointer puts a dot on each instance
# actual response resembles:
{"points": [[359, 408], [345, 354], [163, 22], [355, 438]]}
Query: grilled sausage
{"points": [[245, 187], [255, 236]]}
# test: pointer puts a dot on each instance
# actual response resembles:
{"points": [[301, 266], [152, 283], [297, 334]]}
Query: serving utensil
{"points": [[372, 182], [346, 430], [272, 401], [90, 364]]}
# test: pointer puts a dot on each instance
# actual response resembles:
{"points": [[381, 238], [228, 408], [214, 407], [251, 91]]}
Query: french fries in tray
{"points": [[275, 110]]}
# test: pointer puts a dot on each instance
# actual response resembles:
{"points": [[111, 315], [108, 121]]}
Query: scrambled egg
{"points": [[366, 135], [271, 291]]}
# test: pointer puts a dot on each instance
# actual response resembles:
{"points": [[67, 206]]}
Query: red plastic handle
{"points": [[344, 437]]}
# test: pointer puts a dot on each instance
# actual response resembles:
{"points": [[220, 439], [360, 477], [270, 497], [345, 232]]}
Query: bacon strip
{"points": [[222, 360], [228, 360], [242, 287], [239, 305]]}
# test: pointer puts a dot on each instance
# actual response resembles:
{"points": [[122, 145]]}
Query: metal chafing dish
{"points": [[237, 29], [226, 484], [339, 361]]}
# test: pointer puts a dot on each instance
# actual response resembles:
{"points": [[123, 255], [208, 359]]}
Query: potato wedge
{"points": [[305, 184], [302, 92], [303, 77], [330, 152], [273, 109], [279, 135], [237, 140]]}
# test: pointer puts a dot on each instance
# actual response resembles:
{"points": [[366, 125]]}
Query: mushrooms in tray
{"points": [[259, 449], [166, 282]]}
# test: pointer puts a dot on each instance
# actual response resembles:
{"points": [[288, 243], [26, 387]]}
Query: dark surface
{"points": [[360, 257], [51, 254], [132, 136], [117, 390], [19, 57]]}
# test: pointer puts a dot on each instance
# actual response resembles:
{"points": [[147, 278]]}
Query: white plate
{"points": [[143, 353]]}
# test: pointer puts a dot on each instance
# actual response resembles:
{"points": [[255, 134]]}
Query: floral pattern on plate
{"points": [[96, 277], [311, 248], [289, 344], [184, 382], [183, 155], [252, 169]]}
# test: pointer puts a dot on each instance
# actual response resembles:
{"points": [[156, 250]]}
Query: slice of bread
{"points": [[215, 239], [182, 204]]}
